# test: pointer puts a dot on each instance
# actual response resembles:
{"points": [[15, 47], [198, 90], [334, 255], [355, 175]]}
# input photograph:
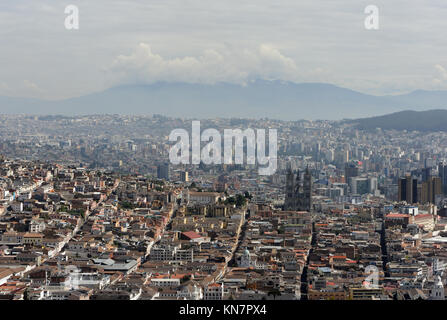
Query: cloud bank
{"points": [[239, 67], [214, 41]]}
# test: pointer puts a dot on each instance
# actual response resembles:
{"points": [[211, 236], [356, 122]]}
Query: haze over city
{"points": [[235, 152], [144, 42]]}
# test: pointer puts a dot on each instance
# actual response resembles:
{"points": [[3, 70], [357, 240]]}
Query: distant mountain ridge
{"points": [[431, 120], [258, 99]]}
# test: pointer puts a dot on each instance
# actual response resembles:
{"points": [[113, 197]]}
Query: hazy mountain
{"points": [[272, 99], [431, 120], [422, 98]]}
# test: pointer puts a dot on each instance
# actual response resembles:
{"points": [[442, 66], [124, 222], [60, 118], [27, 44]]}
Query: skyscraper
{"points": [[163, 171], [408, 189], [426, 174], [351, 170], [442, 172], [184, 176], [430, 189]]}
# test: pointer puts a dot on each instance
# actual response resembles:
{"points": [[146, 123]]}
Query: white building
{"points": [[165, 282], [437, 292], [214, 291], [246, 260], [17, 206], [202, 197], [190, 292]]}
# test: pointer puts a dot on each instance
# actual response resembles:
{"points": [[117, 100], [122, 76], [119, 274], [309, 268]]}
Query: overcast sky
{"points": [[207, 41]]}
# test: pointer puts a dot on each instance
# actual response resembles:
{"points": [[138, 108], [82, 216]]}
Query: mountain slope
{"points": [[431, 120], [258, 99]]}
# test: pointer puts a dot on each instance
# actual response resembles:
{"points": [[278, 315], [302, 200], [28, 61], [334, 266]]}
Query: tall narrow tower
{"points": [[289, 202], [307, 190], [298, 193]]}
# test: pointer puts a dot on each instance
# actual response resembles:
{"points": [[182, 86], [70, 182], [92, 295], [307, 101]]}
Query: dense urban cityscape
{"points": [[92, 209]]}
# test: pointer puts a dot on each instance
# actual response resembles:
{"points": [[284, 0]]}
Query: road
{"points": [[304, 283]]}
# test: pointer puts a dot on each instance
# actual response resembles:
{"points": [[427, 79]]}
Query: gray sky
{"points": [[144, 41]]}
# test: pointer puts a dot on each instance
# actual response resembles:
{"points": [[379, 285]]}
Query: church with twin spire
{"points": [[298, 193]]}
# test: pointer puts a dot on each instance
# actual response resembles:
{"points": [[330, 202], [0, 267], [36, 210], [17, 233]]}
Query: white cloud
{"points": [[439, 80], [442, 73], [317, 41], [32, 88], [145, 66], [4, 88]]}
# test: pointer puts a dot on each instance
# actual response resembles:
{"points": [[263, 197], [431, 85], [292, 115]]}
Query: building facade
{"points": [[298, 194]]}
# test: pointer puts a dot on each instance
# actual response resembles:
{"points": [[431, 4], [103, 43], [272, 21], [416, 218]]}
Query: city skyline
{"points": [[218, 152], [91, 208]]}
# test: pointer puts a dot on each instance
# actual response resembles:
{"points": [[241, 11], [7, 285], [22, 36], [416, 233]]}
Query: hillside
{"points": [[258, 99], [431, 120]]}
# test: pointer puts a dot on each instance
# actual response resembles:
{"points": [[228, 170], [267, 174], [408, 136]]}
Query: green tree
{"points": [[230, 200], [126, 205], [26, 294], [240, 200]]}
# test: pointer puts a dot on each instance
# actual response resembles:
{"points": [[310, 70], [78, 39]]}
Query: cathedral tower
{"points": [[298, 194]]}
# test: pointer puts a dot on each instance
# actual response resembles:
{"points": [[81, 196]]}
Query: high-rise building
{"points": [[363, 185], [430, 189], [317, 151], [351, 170], [163, 171], [408, 189], [442, 172], [358, 185], [298, 194], [426, 174], [422, 174], [329, 155], [184, 176], [341, 157]]}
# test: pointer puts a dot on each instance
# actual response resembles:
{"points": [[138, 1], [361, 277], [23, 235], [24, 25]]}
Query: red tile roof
{"points": [[397, 215], [192, 235]]}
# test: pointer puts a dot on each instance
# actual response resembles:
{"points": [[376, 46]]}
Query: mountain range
{"points": [[431, 120], [257, 99]]}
